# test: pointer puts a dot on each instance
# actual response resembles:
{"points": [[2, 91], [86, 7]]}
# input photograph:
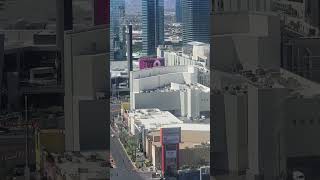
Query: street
{"points": [[124, 169]]}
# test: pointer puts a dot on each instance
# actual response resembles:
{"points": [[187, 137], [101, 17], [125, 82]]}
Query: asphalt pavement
{"points": [[124, 168]]}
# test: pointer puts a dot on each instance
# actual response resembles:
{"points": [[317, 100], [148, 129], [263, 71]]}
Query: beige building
{"points": [[194, 148]]}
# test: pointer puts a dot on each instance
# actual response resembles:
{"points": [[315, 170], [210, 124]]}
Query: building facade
{"points": [[85, 87], [241, 5], [172, 88], [116, 29], [152, 25], [195, 20], [178, 11]]}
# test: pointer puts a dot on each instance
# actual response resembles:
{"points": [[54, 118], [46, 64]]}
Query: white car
{"points": [[112, 135], [297, 175]]}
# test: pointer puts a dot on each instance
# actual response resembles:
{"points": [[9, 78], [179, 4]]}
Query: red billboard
{"points": [[170, 139]]}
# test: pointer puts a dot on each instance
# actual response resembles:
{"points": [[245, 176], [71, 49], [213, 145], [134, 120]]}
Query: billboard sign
{"points": [[170, 135], [170, 139], [150, 62], [171, 154]]}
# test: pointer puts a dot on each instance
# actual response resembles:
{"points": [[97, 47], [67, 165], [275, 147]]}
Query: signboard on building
{"points": [[170, 135], [171, 154], [150, 62], [170, 139]]}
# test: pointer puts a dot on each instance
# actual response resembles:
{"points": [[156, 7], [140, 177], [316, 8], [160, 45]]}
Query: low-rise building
{"points": [[142, 121], [194, 149]]}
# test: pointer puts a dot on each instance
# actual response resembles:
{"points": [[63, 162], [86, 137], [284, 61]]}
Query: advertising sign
{"points": [[170, 135], [171, 154], [150, 62]]}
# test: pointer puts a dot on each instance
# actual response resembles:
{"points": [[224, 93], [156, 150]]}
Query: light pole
{"points": [[26, 170]]}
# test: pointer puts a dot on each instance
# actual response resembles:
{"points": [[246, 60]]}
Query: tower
{"points": [[152, 25]]}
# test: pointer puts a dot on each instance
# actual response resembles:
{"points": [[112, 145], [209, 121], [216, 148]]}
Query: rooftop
{"points": [[190, 127], [196, 86], [153, 118], [267, 80], [93, 164], [196, 43]]}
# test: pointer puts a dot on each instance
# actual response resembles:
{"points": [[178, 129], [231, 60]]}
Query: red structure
{"points": [[170, 139]]}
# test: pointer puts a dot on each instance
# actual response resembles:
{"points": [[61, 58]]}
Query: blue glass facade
{"points": [[152, 25], [117, 11], [195, 20], [178, 11]]}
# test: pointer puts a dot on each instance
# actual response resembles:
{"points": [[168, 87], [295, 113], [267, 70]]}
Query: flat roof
{"points": [[153, 118], [192, 86], [196, 43], [190, 127], [95, 170]]}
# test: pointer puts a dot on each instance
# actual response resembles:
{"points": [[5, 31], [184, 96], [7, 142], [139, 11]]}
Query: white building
{"points": [[243, 5], [149, 119], [172, 88], [251, 40], [266, 122], [85, 64], [265, 117], [195, 53], [199, 59], [143, 121]]}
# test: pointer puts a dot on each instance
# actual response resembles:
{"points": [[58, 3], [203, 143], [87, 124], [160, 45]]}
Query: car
{"points": [[298, 175], [112, 135]]}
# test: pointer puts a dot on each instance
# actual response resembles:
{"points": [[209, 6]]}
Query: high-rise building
{"points": [[116, 22], [152, 25], [195, 20], [178, 11]]}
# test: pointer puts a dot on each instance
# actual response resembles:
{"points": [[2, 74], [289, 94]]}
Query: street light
{"points": [[26, 170]]}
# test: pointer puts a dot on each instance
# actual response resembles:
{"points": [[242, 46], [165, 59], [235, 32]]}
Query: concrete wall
{"points": [[194, 156], [237, 130], [93, 125], [266, 147], [247, 38], [163, 100], [218, 135], [147, 80], [85, 68], [302, 127]]}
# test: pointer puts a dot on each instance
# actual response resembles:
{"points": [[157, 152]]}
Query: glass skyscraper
{"points": [[178, 11], [195, 20], [152, 25], [117, 10]]}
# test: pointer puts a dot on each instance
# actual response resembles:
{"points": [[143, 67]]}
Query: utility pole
{"points": [[26, 170]]}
